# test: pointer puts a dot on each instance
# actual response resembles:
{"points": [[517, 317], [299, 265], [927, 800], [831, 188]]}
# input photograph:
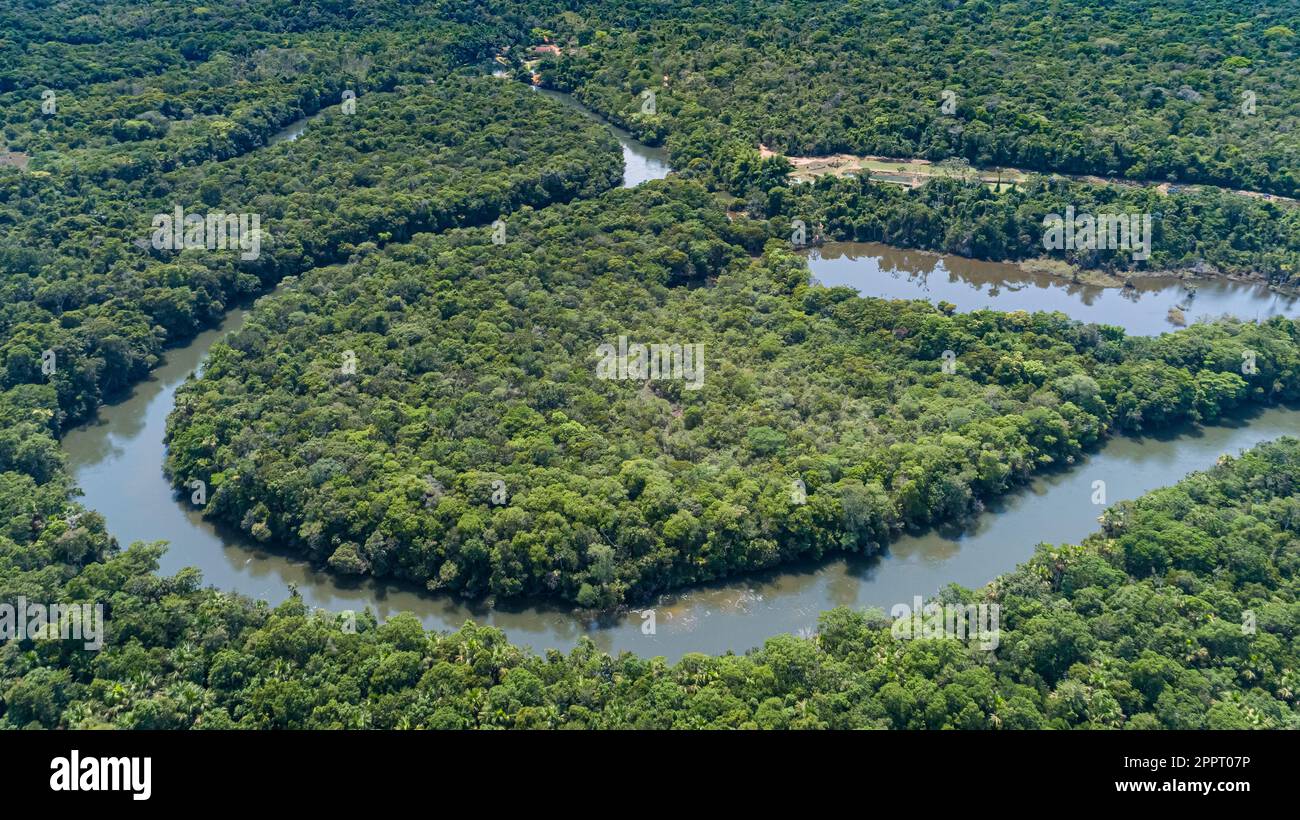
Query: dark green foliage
{"points": [[1205, 231], [1089, 638], [1117, 90], [423, 158], [1122, 88], [477, 363]]}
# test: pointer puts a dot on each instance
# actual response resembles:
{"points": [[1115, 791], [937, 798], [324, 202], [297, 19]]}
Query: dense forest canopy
{"points": [[423, 400], [1206, 231], [89, 286], [1127, 89], [475, 363], [1140, 627], [1131, 88]]}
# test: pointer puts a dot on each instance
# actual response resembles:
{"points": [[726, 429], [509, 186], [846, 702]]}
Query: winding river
{"points": [[641, 162], [117, 461], [1141, 309]]}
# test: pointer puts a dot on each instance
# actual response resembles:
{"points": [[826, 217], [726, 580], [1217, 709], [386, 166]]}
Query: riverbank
{"points": [[119, 462], [1141, 304], [1083, 276], [912, 172]]}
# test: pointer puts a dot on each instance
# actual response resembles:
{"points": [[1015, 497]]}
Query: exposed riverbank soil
{"points": [[17, 159], [1102, 279], [912, 173]]}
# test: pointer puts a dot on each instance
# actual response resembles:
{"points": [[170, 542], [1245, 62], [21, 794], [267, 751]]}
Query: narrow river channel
{"points": [[1142, 309], [118, 459]]}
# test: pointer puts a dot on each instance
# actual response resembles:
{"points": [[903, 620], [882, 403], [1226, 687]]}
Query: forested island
{"points": [[443, 254], [1138, 627], [475, 364]]}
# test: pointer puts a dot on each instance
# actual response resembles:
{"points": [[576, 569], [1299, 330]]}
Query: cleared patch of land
{"points": [[913, 173], [17, 159]]}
